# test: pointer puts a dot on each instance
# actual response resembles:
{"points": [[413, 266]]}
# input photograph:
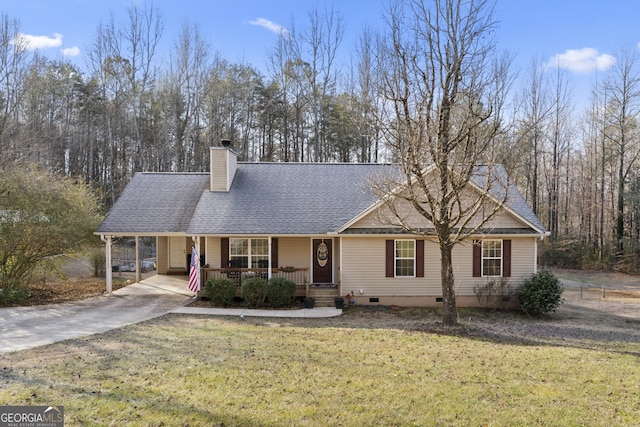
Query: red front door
{"points": [[322, 265]]}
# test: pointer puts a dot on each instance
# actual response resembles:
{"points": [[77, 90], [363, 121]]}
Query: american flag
{"points": [[194, 271]]}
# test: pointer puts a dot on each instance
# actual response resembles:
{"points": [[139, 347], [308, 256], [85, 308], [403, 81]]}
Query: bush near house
{"points": [[254, 292], [281, 292], [494, 294], [220, 291], [541, 293]]}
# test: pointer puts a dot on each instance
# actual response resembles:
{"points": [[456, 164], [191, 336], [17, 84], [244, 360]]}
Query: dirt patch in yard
{"points": [[600, 310]]}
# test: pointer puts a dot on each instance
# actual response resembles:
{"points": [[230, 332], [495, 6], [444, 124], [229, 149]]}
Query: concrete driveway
{"points": [[28, 327]]}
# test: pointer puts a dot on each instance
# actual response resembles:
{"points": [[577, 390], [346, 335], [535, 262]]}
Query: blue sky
{"points": [[584, 35]]}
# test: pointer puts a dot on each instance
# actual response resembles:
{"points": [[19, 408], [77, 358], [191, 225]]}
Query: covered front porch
{"points": [[298, 275], [310, 262]]}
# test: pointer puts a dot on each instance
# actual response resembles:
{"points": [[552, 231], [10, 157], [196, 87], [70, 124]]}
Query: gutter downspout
{"points": [[108, 273]]}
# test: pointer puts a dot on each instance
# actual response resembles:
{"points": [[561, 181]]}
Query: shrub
{"points": [[13, 294], [494, 293], [254, 292], [281, 292], [541, 293], [220, 291]]}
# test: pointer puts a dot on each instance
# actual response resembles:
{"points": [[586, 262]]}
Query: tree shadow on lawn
{"points": [[93, 373], [124, 407], [571, 326]]}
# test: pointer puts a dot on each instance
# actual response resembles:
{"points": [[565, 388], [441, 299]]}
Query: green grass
{"points": [[349, 371]]}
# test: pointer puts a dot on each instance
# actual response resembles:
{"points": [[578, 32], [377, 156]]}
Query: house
{"points": [[316, 224]]}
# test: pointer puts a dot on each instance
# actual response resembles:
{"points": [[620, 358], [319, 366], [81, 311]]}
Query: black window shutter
{"points": [[477, 258], [389, 260], [506, 258], [224, 252], [274, 252], [419, 258]]}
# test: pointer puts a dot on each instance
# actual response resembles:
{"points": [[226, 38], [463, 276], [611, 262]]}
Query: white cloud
{"points": [[582, 60], [38, 42], [269, 25], [70, 51]]}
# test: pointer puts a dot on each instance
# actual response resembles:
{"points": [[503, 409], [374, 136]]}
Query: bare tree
{"points": [[367, 83], [536, 109], [282, 54], [325, 33], [441, 69], [14, 65], [182, 89], [560, 134], [140, 39], [624, 112]]}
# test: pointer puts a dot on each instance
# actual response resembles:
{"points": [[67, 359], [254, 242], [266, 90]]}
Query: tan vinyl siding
{"points": [[213, 252], [232, 165], [162, 254], [223, 164], [504, 220], [364, 268], [294, 252], [380, 218], [500, 220], [219, 169]]}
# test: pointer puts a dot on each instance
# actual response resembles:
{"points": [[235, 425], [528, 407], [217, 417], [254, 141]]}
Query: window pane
{"points": [[404, 248], [404, 267], [491, 248], [239, 253], [259, 247], [239, 246], [491, 267]]}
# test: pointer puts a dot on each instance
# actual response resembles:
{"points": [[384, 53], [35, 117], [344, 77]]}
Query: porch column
{"points": [[108, 273], [535, 255], [269, 262], [138, 265]]}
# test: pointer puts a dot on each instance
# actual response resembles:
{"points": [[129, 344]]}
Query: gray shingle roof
{"points": [[286, 198], [514, 200], [265, 198], [156, 203]]}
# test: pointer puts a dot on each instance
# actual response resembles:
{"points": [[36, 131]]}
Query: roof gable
{"points": [[516, 209]]}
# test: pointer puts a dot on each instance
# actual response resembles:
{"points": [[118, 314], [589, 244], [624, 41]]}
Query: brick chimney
{"points": [[223, 166]]}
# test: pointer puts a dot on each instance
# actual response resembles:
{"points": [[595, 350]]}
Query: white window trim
{"points": [[482, 258], [249, 254], [395, 258]]}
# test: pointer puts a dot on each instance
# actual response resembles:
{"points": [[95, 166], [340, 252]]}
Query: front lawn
{"points": [[352, 371]]}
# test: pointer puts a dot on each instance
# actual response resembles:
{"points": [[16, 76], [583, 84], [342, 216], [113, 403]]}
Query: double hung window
{"points": [[405, 258], [492, 258], [249, 253]]}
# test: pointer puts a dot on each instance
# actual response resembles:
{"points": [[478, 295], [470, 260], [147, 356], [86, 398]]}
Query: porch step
{"points": [[324, 296], [176, 272]]}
